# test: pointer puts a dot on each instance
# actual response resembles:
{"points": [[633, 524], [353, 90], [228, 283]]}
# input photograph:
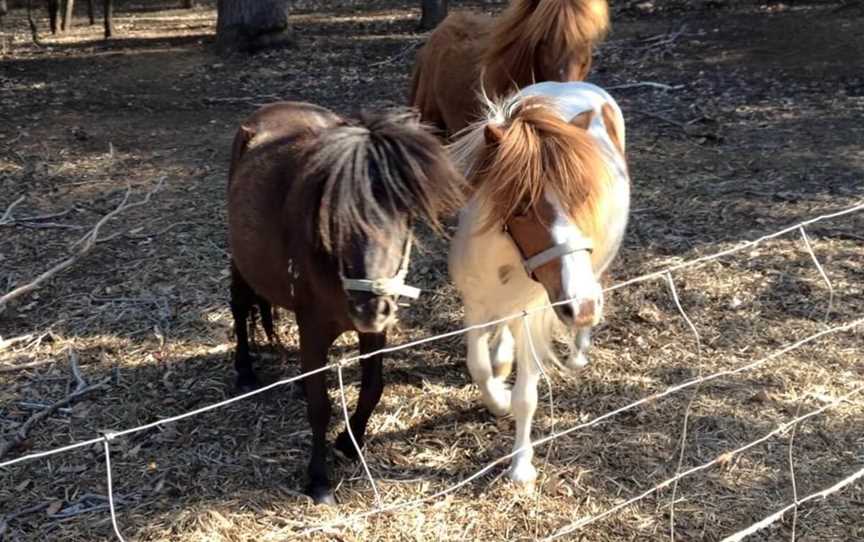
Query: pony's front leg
{"points": [[502, 359], [314, 344], [581, 344], [524, 406], [371, 389], [494, 391]]}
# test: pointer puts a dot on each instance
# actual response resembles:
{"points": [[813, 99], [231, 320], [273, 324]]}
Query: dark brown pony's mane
{"points": [[562, 27], [364, 174], [537, 150]]}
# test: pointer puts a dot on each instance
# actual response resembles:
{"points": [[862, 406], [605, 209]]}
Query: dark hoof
{"points": [[247, 383], [322, 495], [344, 446]]}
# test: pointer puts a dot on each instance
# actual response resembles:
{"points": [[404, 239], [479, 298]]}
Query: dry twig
{"points": [[25, 428], [87, 243]]}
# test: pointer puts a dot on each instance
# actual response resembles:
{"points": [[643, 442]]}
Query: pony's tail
{"points": [[380, 165]]}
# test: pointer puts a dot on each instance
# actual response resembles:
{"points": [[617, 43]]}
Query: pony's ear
{"points": [[583, 119], [493, 133]]}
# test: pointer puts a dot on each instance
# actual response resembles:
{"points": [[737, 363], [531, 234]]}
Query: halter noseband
{"points": [[556, 251], [394, 285]]}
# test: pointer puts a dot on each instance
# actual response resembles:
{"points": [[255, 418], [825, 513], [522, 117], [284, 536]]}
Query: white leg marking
{"points": [[581, 344], [502, 362], [493, 391], [524, 406]]}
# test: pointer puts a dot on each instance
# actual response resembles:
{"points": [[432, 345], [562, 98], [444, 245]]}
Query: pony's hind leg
{"points": [[524, 405], [267, 317], [371, 389], [493, 390], [242, 299]]}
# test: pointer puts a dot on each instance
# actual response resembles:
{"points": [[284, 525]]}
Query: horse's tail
{"points": [[376, 167]]}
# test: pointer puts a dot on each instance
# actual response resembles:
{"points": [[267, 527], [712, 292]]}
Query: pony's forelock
{"points": [[365, 174], [538, 150]]}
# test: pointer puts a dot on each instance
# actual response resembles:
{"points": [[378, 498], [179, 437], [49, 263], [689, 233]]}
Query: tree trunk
{"points": [[251, 25], [188, 4], [108, 13], [67, 15], [91, 11], [53, 14], [4, 9], [434, 12]]}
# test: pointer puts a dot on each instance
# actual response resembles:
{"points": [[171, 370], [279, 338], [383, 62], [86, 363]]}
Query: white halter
{"points": [[392, 286], [554, 252]]}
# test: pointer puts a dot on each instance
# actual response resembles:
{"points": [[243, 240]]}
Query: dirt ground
{"points": [[763, 127]]}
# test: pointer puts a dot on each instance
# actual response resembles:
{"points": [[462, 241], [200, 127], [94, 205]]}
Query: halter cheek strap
{"points": [[557, 251], [392, 286]]}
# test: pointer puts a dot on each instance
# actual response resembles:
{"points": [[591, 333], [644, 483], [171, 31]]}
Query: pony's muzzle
{"points": [[580, 313], [372, 313]]}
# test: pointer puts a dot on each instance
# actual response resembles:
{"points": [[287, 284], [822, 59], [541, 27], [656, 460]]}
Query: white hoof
{"points": [[523, 472], [577, 361], [497, 399]]}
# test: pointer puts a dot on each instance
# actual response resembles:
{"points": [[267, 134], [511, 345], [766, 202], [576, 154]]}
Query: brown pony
{"points": [[320, 210], [531, 41]]}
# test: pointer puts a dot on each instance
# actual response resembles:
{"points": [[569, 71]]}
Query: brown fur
{"points": [[532, 41], [538, 150]]}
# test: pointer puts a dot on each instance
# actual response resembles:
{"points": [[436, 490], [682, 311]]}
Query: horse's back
{"points": [[266, 158], [447, 70], [278, 120]]}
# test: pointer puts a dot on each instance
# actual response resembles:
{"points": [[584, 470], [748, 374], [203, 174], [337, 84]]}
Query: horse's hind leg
{"points": [[242, 300], [266, 311], [371, 388]]}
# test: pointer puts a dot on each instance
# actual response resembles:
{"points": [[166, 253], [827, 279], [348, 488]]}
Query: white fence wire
{"points": [[695, 383]]}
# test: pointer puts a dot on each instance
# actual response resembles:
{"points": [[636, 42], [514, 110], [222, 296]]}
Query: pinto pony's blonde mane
{"points": [[537, 150], [561, 27]]}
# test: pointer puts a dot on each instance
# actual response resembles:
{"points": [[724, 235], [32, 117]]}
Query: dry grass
{"points": [[774, 138]]}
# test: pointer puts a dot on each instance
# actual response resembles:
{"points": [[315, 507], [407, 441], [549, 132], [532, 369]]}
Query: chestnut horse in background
{"points": [[549, 210], [470, 54], [320, 210]]}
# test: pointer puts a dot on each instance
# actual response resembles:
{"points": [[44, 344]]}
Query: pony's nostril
{"points": [[566, 311], [385, 307]]}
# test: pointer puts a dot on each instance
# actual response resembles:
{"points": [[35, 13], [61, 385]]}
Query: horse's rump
{"points": [[447, 70]]}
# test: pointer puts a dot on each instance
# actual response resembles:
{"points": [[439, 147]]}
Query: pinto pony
{"points": [[548, 213], [320, 210], [531, 41]]}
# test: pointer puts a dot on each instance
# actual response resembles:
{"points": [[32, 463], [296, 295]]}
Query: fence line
{"points": [[353, 359], [722, 458], [693, 394], [740, 535], [340, 364], [591, 423]]}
